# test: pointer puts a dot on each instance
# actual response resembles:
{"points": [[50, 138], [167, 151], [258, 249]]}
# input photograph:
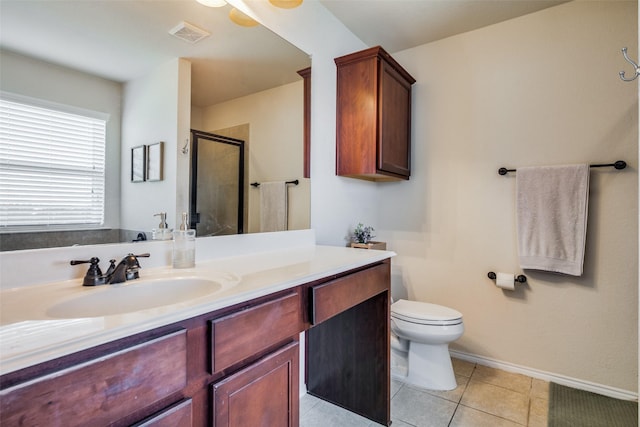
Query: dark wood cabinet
{"points": [[102, 390], [348, 361], [234, 367], [264, 394], [238, 336], [373, 122], [178, 415], [306, 75]]}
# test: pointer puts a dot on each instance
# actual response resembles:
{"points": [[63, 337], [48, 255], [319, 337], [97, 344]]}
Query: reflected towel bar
{"points": [[294, 182], [620, 164]]}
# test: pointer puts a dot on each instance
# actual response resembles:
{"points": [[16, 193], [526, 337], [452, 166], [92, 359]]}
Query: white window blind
{"points": [[52, 166]]}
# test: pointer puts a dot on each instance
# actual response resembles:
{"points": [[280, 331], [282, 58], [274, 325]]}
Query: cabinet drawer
{"points": [[336, 296], [178, 415], [101, 390], [243, 334]]}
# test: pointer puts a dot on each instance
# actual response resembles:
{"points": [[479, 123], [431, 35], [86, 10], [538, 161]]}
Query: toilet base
{"points": [[430, 366], [427, 366]]}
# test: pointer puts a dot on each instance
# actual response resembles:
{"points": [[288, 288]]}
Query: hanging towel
{"points": [[273, 206], [551, 209]]}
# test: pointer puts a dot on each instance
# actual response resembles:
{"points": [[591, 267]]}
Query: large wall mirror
{"points": [[105, 56]]}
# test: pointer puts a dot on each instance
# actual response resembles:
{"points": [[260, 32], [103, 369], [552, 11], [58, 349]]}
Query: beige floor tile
{"points": [[453, 395], [419, 408], [462, 367], [497, 401], [538, 412], [307, 402], [395, 423], [325, 414], [395, 387], [540, 388], [469, 417], [516, 382]]}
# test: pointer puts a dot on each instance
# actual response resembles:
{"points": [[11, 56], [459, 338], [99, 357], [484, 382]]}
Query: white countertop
{"points": [[30, 334]]}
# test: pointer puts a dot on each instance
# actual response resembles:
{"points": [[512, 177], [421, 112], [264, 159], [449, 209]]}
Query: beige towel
{"points": [[551, 209], [273, 206]]}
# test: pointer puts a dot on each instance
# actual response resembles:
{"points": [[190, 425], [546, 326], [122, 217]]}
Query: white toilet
{"points": [[420, 337]]}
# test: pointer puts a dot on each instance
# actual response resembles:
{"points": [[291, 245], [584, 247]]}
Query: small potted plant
{"points": [[362, 236]]}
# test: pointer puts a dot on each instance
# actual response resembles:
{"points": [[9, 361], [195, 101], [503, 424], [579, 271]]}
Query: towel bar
{"points": [[620, 164], [294, 182], [518, 279]]}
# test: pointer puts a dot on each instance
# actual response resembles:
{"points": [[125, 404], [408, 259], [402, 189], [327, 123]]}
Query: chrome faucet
{"points": [[127, 269]]}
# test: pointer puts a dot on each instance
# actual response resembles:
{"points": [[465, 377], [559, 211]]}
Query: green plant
{"points": [[362, 234]]}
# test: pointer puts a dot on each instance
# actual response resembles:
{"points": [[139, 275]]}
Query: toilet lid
{"points": [[423, 312]]}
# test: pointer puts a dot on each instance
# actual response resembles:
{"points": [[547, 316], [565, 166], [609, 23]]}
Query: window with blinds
{"points": [[52, 166]]}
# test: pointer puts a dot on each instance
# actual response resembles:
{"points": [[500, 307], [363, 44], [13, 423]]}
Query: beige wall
{"points": [[156, 107], [542, 89], [42, 80], [275, 145]]}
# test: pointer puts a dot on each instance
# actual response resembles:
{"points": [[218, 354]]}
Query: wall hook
{"points": [[185, 149], [635, 66]]}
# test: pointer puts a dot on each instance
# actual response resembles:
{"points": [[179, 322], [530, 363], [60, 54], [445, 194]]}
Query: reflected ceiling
{"points": [[122, 40]]}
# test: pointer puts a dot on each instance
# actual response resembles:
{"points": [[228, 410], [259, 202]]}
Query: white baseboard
{"points": [[547, 376]]}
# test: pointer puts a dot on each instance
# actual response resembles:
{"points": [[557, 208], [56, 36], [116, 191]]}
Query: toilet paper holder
{"points": [[517, 279]]}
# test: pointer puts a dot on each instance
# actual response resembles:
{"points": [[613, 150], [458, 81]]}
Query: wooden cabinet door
{"points": [[264, 394], [394, 134], [373, 117]]}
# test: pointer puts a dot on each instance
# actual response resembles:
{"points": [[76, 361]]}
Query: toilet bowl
{"points": [[420, 337]]}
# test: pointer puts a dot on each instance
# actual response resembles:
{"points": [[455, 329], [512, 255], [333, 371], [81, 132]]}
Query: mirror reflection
{"points": [[119, 59], [217, 184]]}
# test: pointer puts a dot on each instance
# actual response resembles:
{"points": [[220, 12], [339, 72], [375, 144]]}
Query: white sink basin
{"points": [[135, 295]]}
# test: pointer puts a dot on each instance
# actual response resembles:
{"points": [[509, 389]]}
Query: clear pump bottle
{"points": [[184, 245]]}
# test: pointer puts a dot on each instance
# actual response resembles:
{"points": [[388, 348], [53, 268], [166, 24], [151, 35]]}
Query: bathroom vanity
{"points": [[226, 359]]}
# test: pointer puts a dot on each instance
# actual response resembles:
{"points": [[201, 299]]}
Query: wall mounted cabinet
{"points": [[373, 123], [306, 75]]}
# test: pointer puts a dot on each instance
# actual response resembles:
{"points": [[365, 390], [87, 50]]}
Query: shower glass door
{"points": [[217, 184]]}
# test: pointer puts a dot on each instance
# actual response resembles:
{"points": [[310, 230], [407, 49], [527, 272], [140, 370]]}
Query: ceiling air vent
{"points": [[188, 32]]}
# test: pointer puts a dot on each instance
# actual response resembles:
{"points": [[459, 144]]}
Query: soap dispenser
{"points": [[184, 245], [162, 232]]}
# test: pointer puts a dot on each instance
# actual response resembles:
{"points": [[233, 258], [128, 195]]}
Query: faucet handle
{"points": [[93, 261], [112, 267], [147, 255], [94, 274]]}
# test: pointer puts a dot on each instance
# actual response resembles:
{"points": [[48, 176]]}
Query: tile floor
{"points": [[484, 397]]}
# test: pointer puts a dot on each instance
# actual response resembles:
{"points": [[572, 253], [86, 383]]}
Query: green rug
{"points": [[569, 407]]}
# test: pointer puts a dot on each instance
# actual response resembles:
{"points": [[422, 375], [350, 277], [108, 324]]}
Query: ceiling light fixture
{"points": [[242, 19], [286, 4]]}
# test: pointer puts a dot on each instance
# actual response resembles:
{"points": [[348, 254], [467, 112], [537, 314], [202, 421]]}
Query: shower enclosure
{"points": [[217, 184]]}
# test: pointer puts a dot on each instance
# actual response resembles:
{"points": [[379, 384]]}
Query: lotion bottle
{"points": [[184, 245]]}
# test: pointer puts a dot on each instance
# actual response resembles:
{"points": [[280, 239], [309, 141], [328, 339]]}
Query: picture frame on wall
{"points": [[155, 157], [138, 163]]}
